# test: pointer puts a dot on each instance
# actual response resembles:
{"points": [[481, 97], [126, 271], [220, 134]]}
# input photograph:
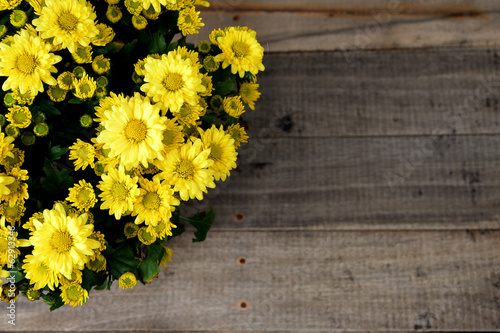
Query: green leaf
{"points": [[56, 152], [202, 222], [76, 100], [223, 88], [155, 250], [57, 304], [149, 269], [90, 279], [172, 46], [56, 180], [48, 108], [177, 231], [158, 44], [122, 261], [209, 119]]}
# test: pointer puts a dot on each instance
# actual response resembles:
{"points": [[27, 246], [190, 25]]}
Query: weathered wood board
{"points": [[303, 281]]}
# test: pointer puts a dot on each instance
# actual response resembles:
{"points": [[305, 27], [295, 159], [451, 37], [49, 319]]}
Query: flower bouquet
{"points": [[112, 122]]}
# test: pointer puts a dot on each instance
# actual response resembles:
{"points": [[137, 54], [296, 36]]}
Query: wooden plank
{"points": [[362, 25], [303, 281], [363, 184], [378, 94]]}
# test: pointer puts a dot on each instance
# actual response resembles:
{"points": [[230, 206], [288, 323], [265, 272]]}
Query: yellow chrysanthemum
{"points": [[162, 229], [145, 236], [27, 63], [83, 153], [85, 87], [210, 64], [6, 146], [74, 294], [82, 196], [101, 65], [23, 98], [13, 212], [187, 54], [167, 256], [204, 46], [150, 13], [119, 192], [39, 273], [105, 35], [241, 51], [97, 264], [214, 36], [172, 81], [233, 106], [33, 294], [238, 134], [187, 169], [133, 131], [82, 54], [113, 13], [29, 225], [18, 189], [13, 162], [67, 22], [207, 83], [18, 18], [56, 93], [249, 93], [19, 116], [172, 136], [189, 21], [155, 202], [65, 80], [5, 180], [222, 151], [139, 22], [75, 278], [9, 244], [9, 4], [63, 241], [130, 230], [188, 114], [106, 104], [127, 280], [98, 236]]}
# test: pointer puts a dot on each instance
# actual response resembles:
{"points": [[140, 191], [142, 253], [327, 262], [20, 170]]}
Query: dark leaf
{"points": [[122, 261], [158, 44], [202, 222], [56, 152], [223, 88], [56, 179]]}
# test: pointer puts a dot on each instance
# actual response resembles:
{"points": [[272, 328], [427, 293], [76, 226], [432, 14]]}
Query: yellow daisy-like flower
{"points": [[130, 230], [29, 225], [172, 81], [188, 114], [133, 131], [65, 80], [101, 65], [12, 131], [98, 236], [139, 22], [76, 278], [13, 162], [9, 4], [139, 67], [155, 202], [19, 116], [74, 294], [151, 13], [233, 106], [189, 21], [249, 93], [167, 256], [172, 136], [23, 98], [13, 213], [119, 192], [127, 280], [204, 46], [113, 13], [67, 22], [82, 196], [56, 94], [6, 146], [187, 169], [62, 241], [18, 18], [222, 151], [85, 87], [39, 273], [238, 134], [241, 51], [106, 104], [210, 64], [134, 7], [145, 236], [97, 264], [27, 63], [83, 153], [162, 229], [82, 54], [33, 294], [105, 35], [186, 54], [207, 83], [214, 36], [18, 189], [5, 180]]}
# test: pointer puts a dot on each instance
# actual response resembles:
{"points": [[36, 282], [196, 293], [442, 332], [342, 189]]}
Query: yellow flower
{"points": [[114, 14], [23, 98], [238, 134], [27, 62], [100, 64], [9, 4], [18, 189], [130, 230], [172, 81], [74, 294], [145, 236], [9, 244], [185, 54], [214, 36], [84, 87], [39, 273], [189, 21], [56, 93], [222, 151], [162, 229], [204, 46], [13, 213], [105, 35], [241, 51], [150, 13], [29, 225], [167, 256], [76, 278], [188, 114], [210, 64], [13, 162], [5, 180], [65, 80], [127, 280], [82, 54], [172, 136], [19, 116], [33, 294], [119, 192], [62, 241], [187, 169], [83, 153], [97, 264], [68, 22], [18, 18], [154, 203], [105, 104], [133, 131], [82, 196], [249, 93], [134, 7], [233, 106]]}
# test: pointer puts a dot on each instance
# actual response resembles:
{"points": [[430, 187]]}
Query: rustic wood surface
{"points": [[368, 197]]}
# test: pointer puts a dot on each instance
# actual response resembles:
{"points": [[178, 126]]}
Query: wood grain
{"points": [[359, 25], [398, 93], [303, 281]]}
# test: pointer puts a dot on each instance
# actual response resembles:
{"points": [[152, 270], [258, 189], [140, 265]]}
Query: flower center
{"points": [[84, 195], [20, 117], [173, 81], [43, 269], [61, 242], [119, 191], [240, 49], [73, 293], [151, 201], [136, 130], [67, 21], [215, 153], [12, 212], [185, 169], [168, 137], [26, 63]]}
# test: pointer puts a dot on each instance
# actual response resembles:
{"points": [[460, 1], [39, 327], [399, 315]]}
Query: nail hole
{"points": [[243, 305], [238, 217], [242, 261], [236, 18]]}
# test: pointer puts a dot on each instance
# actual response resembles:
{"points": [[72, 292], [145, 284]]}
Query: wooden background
{"points": [[369, 196]]}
